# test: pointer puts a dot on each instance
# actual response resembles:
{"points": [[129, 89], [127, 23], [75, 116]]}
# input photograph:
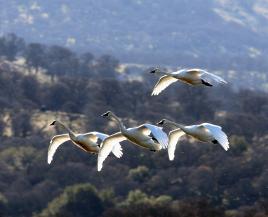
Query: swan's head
{"points": [[53, 123], [162, 122], [107, 114], [155, 70]]}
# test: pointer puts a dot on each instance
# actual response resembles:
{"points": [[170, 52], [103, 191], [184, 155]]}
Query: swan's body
{"points": [[88, 142], [139, 136], [189, 76], [204, 132]]}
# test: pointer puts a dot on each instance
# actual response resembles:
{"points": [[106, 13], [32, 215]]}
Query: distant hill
{"points": [[176, 32]]}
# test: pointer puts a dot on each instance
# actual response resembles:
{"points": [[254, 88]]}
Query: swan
{"points": [[204, 132], [146, 135], [189, 76], [87, 142]]}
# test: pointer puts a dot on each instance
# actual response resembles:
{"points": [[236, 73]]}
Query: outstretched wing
{"points": [[95, 136], [162, 84], [109, 145], [157, 133], [117, 150], [174, 137], [211, 78], [55, 142], [218, 134]]}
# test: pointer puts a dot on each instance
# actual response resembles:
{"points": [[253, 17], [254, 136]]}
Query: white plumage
{"points": [[147, 136], [204, 132], [87, 142], [189, 76]]}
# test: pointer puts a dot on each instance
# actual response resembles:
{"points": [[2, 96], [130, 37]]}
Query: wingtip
{"points": [[154, 93], [99, 167], [171, 159]]}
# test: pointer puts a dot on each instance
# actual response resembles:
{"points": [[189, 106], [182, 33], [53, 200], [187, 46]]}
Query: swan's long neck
{"points": [[120, 124], [70, 132], [171, 123]]}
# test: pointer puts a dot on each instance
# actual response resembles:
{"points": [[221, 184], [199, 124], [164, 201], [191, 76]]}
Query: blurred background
{"points": [[74, 60]]}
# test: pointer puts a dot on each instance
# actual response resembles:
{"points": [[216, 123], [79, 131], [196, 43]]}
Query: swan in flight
{"points": [[146, 135], [87, 142], [204, 132], [189, 76]]}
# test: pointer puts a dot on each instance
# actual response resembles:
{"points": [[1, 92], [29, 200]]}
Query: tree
{"points": [[86, 64], [11, 46], [79, 200], [35, 55], [106, 66], [21, 123], [62, 61]]}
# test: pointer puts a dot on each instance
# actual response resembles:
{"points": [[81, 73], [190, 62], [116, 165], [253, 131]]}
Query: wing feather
{"points": [[211, 78], [174, 137], [55, 142], [162, 84], [157, 132], [108, 146], [218, 134]]}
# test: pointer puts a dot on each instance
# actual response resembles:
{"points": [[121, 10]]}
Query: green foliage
{"points": [[17, 158], [239, 144], [139, 173], [137, 197], [77, 201]]}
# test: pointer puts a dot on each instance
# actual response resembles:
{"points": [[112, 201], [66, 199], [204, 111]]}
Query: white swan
{"points": [[87, 142], [188, 76], [147, 136], [203, 132]]}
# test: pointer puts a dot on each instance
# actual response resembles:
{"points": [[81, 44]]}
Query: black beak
{"points": [[160, 122], [154, 70], [105, 114], [53, 123]]}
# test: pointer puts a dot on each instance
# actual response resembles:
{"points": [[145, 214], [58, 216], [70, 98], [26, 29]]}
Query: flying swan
{"points": [[87, 142], [204, 132], [147, 136], [189, 76]]}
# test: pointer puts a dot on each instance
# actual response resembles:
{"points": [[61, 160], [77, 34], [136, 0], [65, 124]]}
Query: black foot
{"points": [[153, 150], [206, 83], [215, 141], [154, 139]]}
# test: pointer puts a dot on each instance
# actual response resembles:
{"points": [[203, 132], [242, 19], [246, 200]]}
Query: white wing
{"points": [[211, 78], [94, 136], [117, 150], [174, 137], [162, 84], [218, 134], [55, 142], [108, 146], [157, 132]]}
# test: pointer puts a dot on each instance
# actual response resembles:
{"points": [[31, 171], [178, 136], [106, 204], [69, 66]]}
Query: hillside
{"points": [[208, 33], [203, 180]]}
